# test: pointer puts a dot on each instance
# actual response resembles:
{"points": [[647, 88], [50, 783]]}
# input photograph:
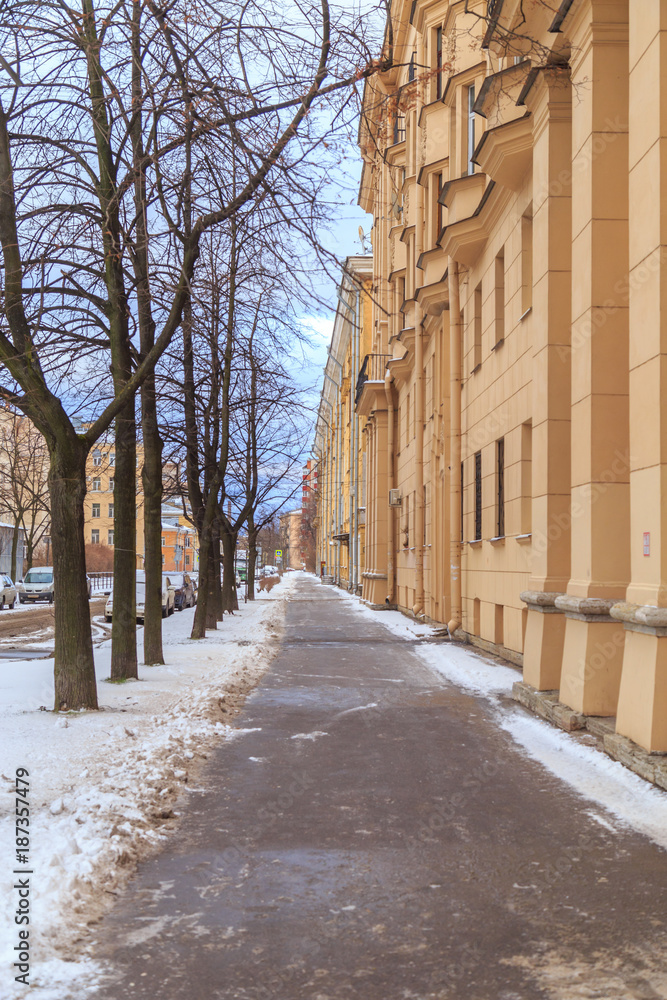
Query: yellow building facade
{"points": [[513, 421], [340, 442]]}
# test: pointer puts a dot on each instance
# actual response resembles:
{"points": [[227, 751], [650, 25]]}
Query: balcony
{"points": [[370, 383]]}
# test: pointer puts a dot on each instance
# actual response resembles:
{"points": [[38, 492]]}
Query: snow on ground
{"points": [[629, 800], [102, 784]]}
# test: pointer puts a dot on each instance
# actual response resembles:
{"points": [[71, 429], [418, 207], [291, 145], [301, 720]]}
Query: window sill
{"points": [[524, 539], [476, 368], [497, 540], [474, 543], [526, 313], [498, 344]]}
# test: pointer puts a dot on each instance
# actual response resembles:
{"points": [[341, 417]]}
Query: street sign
{"points": [[279, 553]]}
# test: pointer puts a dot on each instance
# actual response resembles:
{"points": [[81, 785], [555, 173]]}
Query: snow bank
{"points": [[104, 784]]}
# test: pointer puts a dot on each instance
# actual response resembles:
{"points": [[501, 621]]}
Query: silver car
{"points": [[8, 592]]}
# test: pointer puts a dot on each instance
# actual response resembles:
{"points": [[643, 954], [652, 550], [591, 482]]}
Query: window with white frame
{"points": [[110, 510], [110, 536], [95, 536], [97, 457], [96, 510], [96, 486]]}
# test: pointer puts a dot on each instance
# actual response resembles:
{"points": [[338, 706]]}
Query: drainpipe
{"points": [[420, 513], [455, 446], [355, 418], [391, 523]]}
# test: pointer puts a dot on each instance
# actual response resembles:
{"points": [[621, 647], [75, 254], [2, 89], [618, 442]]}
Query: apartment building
{"points": [[340, 446], [512, 164]]}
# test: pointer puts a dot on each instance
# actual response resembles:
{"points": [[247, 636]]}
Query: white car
{"points": [[37, 585], [8, 592], [168, 598]]}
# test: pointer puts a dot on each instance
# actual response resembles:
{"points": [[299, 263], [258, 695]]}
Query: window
{"points": [[478, 495], [110, 510], [112, 458], [471, 128], [96, 486], [526, 262], [96, 510], [110, 536], [95, 536], [477, 329], [462, 511], [187, 559], [187, 542], [97, 457], [111, 484], [499, 299], [500, 488], [438, 63], [164, 540]]}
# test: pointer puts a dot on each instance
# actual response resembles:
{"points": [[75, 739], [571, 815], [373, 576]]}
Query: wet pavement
{"points": [[373, 834]]}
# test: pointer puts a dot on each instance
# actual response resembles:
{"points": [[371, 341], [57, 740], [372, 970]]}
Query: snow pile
{"points": [[103, 784]]}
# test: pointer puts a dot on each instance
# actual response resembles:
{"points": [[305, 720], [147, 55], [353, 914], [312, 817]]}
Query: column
{"points": [[550, 101], [642, 707], [600, 506]]}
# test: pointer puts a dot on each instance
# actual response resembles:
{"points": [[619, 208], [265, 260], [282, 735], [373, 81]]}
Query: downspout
{"points": [[455, 447], [357, 336], [391, 523], [420, 513]]}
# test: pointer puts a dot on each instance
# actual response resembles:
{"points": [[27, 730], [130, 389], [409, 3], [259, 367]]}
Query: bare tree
{"points": [[98, 108], [24, 487]]}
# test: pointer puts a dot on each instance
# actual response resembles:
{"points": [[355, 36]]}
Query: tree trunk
{"points": [[252, 561], [74, 668], [217, 587], [229, 601], [199, 623], [212, 593], [15, 546], [124, 628], [152, 482]]}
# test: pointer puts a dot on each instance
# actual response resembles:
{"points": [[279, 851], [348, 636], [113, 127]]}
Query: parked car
{"points": [[269, 571], [8, 592], [167, 598], [37, 585], [185, 591]]}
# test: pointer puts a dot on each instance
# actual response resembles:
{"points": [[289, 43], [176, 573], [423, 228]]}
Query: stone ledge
{"points": [[547, 706], [641, 618], [586, 609], [651, 767], [543, 601]]}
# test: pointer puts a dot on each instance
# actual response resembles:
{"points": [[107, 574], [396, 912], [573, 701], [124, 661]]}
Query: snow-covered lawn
{"points": [[103, 784]]}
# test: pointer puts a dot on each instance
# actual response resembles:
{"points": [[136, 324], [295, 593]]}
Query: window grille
{"points": [[478, 495], [500, 520]]}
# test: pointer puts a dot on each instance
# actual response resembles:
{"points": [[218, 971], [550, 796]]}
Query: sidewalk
{"points": [[373, 833]]}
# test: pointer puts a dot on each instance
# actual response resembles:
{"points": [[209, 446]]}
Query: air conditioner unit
{"points": [[395, 498]]}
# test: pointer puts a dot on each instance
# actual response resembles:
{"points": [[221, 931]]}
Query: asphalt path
{"points": [[373, 834]]}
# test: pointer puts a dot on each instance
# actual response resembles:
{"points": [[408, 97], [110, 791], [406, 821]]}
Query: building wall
{"points": [[339, 475], [515, 191]]}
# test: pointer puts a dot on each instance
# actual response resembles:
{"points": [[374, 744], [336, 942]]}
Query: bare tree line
{"points": [[135, 137]]}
